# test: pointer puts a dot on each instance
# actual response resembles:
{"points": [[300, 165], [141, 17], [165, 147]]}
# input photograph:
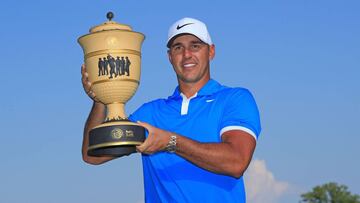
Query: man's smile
{"points": [[189, 65]]}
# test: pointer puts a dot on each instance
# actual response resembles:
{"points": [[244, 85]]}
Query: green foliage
{"points": [[330, 193]]}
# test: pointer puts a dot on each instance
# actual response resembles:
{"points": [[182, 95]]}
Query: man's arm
{"points": [[96, 117], [230, 157]]}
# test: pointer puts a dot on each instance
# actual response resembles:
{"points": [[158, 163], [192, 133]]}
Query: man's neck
{"points": [[190, 89]]}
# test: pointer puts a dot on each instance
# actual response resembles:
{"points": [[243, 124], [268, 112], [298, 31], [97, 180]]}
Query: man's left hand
{"points": [[156, 141]]}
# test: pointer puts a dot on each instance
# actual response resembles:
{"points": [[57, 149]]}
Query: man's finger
{"points": [[144, 150], [145, 125], [83, 69], [84, 80], [88, 84], [141, 148], [96, 99], [145, 144], [91, 94]]}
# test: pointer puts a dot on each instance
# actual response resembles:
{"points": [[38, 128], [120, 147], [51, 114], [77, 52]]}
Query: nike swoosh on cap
{"points": [[179, 27]]}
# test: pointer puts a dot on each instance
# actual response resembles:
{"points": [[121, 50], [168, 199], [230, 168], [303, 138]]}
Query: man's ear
{"points": [[169, 55], [211, 51]]}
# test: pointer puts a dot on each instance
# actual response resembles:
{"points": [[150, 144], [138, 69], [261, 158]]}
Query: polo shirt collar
{"points": [[211, 87]]}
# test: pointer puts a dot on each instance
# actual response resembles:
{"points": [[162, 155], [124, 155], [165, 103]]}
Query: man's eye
{"points": [[196, 46], [177, 48]]}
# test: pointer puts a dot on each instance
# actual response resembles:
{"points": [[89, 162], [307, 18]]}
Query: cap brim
{"points": [[181, 34]]}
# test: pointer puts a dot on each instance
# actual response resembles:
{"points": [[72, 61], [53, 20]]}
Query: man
{"points": [[106, 63], [127, 66], [111, 62], [118, 65], [101, 67], [200, 139]]}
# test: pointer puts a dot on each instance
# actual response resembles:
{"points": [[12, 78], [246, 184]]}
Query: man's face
{"points": [[190, 58]]}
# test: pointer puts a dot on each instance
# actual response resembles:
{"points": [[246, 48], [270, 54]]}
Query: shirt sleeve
{"points": [[241, 113], [141, 114]]}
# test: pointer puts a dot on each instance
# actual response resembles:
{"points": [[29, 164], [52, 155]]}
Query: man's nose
{"points": [[187, 52]]}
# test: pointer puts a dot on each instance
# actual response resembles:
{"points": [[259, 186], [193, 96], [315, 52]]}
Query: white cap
{"points": [[189, 26]]}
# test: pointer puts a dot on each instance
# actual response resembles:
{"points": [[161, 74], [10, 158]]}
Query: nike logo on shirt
{"points": [[210, 100], [179, 27]]}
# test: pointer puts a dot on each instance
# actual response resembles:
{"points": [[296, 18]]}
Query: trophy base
{"points": [[115, 138]]}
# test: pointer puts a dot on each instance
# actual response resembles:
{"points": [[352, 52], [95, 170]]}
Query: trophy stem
{"points": [[115, 111]]}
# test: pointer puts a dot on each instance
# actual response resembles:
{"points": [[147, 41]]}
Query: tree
{"points": [[330, 193]]}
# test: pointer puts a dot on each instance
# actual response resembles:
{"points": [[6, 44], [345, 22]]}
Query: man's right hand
{"points": [[87, 84], [96, 117]]}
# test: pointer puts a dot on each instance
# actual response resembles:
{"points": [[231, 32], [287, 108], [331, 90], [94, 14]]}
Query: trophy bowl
{"points": [[112, 56]]}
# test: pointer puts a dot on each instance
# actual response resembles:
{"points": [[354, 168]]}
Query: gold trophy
{"points": [[112, 54]]}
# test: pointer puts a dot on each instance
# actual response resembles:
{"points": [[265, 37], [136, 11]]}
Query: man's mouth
{"points": [[189, 65]]}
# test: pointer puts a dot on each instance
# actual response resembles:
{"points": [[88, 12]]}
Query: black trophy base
{"points": [[115, 139]]}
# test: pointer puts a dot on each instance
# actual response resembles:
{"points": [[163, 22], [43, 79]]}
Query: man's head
{"points": [[190, 51]]}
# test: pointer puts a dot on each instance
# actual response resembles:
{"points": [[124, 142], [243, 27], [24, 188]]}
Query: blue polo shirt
{"points": [[204, 117]]}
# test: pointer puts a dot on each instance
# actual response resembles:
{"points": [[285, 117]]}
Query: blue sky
{"points": [[300, 59]]}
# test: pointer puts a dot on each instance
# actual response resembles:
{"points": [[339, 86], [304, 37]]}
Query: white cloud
{"points": [[261, 185]]}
